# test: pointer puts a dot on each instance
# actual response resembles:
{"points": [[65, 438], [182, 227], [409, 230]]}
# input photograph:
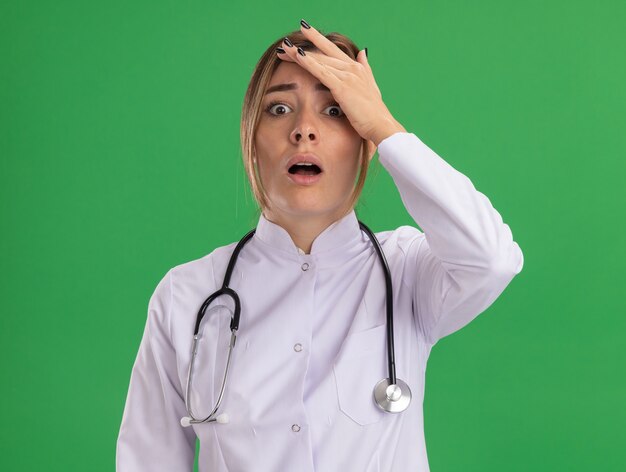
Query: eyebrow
{"points": [[292, 86]]}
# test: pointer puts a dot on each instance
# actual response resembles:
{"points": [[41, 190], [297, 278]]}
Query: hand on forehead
{"points": [[350, 81], [326, 47]]}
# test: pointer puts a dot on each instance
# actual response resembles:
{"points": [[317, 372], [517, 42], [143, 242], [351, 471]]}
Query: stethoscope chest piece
{"points": [[392, 398]]}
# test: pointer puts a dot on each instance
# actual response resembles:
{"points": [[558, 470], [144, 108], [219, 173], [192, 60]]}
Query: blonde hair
{"points": [[252, 110]]}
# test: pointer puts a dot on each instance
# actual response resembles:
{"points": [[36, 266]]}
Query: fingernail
{"points": [[280, 50], [301, 51], [366, 53], [287, 42], [305, 24]]}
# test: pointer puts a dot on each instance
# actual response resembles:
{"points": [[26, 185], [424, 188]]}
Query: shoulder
{"points": [[202, 262], [201, 271], [182, 289]]}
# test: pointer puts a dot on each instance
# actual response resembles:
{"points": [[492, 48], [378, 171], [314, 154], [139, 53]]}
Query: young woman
{"points": [[311, 381]]}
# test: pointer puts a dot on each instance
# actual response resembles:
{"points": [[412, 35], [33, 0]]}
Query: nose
{"points": [[297, 136], [305, 128]]}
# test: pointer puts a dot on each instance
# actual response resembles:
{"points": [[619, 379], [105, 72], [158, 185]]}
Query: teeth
{"points": [[304, 164]]}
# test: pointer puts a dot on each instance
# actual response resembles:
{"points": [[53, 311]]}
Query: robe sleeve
{"points": [[151, 437], [466, 255]]}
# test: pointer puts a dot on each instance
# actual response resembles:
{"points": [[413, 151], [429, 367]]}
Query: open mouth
{"points": [[305, 169]]}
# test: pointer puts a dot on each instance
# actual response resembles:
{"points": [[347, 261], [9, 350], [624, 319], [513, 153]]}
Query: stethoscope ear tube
{"points": [[234, 321], [225, 290], [191, 419], [234, 326]]}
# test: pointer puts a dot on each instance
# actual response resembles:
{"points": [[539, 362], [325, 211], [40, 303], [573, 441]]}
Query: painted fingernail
{"points": [[287, 42], [366, 53], [305, 24], [280, 50], [301, 51]]}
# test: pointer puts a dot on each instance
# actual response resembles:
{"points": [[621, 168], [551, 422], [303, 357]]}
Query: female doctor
{"points": [[309, 382]]}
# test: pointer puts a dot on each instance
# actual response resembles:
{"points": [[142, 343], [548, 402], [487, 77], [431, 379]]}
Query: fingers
{"points": [[330, 64], [291, 54], [316, 65], [362, 59], [322, 42], [281, 51], [333, 55]]}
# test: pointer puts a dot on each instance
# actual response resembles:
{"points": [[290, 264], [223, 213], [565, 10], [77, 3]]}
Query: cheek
{"points": [[349, 167], [345, 175], [266, 167], [266, 171]]}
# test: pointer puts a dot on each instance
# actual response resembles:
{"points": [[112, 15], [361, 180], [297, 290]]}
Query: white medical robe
{"points": [[312, 342]]}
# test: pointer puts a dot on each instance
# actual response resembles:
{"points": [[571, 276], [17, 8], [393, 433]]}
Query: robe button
{"points": [[295, 428], [297, 347], [305, 266]]}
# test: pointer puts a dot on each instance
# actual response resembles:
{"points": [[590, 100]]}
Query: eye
{"points": [[336, 105], [280, 109], [272, 105]]}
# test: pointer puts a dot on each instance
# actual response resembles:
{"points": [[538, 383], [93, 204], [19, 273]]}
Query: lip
{"points": [[304, 157], [304, 179]]}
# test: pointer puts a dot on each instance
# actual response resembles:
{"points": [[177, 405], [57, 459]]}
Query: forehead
{"points": [[292, 72]]}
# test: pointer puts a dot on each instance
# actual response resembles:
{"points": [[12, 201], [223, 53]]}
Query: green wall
{"points": [[120, 158]]}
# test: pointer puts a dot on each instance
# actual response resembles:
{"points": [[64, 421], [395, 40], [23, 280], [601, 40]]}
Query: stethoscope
{"points": [[390, 394]]}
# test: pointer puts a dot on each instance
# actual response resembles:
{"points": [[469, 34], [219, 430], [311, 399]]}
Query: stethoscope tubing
{"points": [[391, 358], [382, 391]]}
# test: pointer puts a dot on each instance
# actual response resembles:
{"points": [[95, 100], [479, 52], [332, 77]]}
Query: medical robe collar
{"points": [[339, 242]]}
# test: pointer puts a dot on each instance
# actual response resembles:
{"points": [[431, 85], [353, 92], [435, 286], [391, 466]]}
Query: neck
{"points": [[303, 229]]}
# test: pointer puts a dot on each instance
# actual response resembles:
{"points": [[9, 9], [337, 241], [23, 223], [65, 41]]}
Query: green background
{"points": [[120, 158]]}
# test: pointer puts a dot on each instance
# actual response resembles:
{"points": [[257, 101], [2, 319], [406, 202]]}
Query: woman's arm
{"points": [[151, 437], [466, 256]]}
